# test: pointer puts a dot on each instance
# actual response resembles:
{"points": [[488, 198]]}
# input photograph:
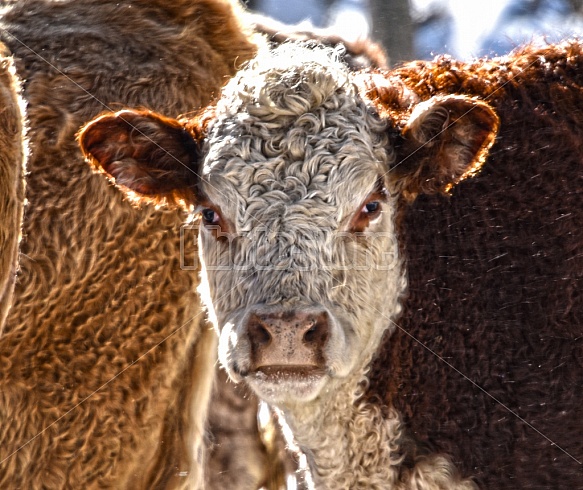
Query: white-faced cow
{"points": [[411, 340]]}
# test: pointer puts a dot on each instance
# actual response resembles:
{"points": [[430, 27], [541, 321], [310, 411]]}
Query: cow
{"points": [[392, 259], [106, 359], [107, 367], [12, 169]]}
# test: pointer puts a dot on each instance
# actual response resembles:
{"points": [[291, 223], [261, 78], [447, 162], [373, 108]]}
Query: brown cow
{"points": [[398, 341], [106, 361]]}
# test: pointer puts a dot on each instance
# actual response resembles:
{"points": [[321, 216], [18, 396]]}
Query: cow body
{"points": [[304, 174], [107, 362]]}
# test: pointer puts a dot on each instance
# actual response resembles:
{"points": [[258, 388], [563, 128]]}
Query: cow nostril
{"points": [[311, 334], [258, 334], [317, 333]]}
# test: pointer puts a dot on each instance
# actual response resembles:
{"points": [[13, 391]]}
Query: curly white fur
{"points": [[293, 153]]}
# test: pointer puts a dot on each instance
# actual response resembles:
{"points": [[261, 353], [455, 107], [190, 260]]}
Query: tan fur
{"points": [[12, 170], [105, 358]]}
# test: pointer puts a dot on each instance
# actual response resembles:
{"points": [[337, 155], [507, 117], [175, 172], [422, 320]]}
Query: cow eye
{"points": [[369, 211], [371, 208], [210, 217]]}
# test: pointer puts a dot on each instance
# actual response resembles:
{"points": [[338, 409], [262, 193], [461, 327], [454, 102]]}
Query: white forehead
{"points": [[292, 128]]}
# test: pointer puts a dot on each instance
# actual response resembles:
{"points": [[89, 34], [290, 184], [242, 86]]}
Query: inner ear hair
{"points": [[149, 157], [445, 141]]}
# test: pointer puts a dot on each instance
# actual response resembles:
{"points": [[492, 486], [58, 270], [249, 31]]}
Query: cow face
{"points": [[296, 183]]}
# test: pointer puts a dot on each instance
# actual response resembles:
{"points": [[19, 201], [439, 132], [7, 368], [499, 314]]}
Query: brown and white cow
{"points": [[321, 240]]}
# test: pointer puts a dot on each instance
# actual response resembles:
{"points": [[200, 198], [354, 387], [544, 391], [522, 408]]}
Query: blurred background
{"points": [[421, 29]]}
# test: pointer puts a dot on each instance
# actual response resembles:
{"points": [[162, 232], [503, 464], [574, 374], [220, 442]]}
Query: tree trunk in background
{"points": [[393, 28]]}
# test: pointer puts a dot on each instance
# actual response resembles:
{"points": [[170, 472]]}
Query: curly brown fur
{"points": [[12, 170], [495, 279], [104, 360]]}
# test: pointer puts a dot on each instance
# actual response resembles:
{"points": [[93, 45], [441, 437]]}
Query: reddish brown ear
{"points": [[143, 152], [446, 140]]}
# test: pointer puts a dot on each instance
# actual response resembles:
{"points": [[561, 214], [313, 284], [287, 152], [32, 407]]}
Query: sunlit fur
{"points": [[105, 358], [12, 169], [293, 153]]}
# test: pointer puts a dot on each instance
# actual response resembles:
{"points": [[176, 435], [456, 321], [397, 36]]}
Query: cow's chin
{"points": [[281, 385]]}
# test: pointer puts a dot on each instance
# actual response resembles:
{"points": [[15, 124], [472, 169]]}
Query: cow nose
{"points": [[291, 338]]}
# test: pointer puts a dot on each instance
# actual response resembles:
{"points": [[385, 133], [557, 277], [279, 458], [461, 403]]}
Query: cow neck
{"points": [[350, 442], [347, 440]]}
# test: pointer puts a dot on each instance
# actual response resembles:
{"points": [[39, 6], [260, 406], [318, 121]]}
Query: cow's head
{"points": [[295, 174]]}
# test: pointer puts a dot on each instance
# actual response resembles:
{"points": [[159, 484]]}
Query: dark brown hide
{"points": [[487, 361]]}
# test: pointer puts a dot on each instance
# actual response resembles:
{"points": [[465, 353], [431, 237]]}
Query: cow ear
{"points": [[445, 140], [149, 157]]}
